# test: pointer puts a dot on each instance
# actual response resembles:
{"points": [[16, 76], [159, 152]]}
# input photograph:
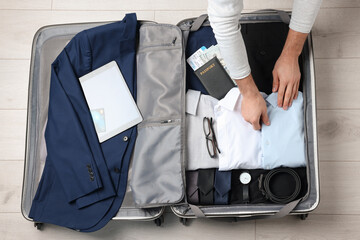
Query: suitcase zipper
{"points": [[160, 122]]}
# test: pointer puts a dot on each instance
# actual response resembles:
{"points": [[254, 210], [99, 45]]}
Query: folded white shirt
{"points": [[239, 143], [198, 106]]}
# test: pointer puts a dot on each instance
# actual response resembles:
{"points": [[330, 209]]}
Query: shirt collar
{"points": [[192, 101], [230, 99], [272, 99]]}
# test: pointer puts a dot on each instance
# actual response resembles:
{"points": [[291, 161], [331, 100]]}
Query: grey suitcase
{"points": [[48, 43]]}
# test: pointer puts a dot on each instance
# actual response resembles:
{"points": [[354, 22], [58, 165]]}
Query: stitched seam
{"points": [[89, 51]]}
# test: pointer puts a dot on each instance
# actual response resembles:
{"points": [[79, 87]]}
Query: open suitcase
{"points": [[49, 42]]}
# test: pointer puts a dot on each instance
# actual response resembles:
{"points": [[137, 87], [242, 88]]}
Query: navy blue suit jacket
{"points": [[84, 182]]}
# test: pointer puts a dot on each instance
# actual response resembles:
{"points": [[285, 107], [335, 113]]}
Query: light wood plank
{"points": [[58, 17], [129, 5], [16, 41], [26, 4], [14, 83], [262, 4], [287, 4], [185, 4], [337, 83], [339, 191], [173, 17], [12, 134], [337, 20], [336, 33], [338, 4], [11, 175], [248, 4], [337, 45], [14, 227], [319, 227], [339, 135]]}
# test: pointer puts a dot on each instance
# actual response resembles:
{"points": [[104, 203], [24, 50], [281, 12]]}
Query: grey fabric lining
{"points": [[48, 43], [157, 176]]}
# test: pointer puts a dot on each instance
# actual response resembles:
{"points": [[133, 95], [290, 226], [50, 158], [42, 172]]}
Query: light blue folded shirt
{"points": [[283, 142]]}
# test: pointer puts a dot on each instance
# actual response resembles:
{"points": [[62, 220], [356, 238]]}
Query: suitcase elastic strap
{"points": [[197, 211], [198, 22], [284, 211]]}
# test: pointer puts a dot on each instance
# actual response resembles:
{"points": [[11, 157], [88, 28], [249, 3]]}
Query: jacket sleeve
{"points": [[71, 140]]}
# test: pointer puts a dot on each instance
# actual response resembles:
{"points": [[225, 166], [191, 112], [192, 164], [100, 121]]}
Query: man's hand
{"points": [[286, 79], [253, 106], [286, 73]]}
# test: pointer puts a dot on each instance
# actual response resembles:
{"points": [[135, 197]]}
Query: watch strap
{"points": [[246, 193]]}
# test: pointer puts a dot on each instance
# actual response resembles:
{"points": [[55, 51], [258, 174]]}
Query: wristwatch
{"points": [[245, 179]]}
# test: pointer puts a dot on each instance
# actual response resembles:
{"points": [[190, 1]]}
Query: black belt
{"points": [[264, 185]]}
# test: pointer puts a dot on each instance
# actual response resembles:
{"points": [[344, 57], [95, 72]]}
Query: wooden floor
{"points": [[337, 51]]}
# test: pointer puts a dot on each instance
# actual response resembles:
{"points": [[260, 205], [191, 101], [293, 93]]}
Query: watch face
{"points": [[245, 178]]}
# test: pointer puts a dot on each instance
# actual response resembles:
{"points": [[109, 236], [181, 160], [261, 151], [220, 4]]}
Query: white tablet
{"points": [[111, 104]]}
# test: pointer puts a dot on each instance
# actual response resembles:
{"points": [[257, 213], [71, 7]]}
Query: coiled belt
{"points": [[265, 185]]}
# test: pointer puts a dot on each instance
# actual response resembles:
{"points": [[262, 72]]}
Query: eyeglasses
{"points": [[211, 142]]}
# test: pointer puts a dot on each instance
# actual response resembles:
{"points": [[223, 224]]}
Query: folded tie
{"points": [[222, 187], [192, 190], [206, 186]]}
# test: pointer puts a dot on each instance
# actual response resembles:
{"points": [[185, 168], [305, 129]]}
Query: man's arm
{"points": [[253, 106], [224, 16], [286, 73]]}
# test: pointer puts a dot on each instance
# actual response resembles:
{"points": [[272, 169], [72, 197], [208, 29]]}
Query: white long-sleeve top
{"points": [[224, 17]]}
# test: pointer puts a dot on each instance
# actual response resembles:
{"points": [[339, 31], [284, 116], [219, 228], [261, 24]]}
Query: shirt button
{"points": [[267, 142], [117, 170], [262, 53], [125, 138]]}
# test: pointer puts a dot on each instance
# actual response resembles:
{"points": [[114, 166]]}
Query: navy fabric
{"points": [[222, 187], [84, 182]]}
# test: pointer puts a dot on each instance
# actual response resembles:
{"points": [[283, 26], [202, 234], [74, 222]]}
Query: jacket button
{"points": [[125, 138], [117, 170]]}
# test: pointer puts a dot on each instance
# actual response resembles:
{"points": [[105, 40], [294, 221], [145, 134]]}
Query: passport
{"points": [[215, 78]]}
